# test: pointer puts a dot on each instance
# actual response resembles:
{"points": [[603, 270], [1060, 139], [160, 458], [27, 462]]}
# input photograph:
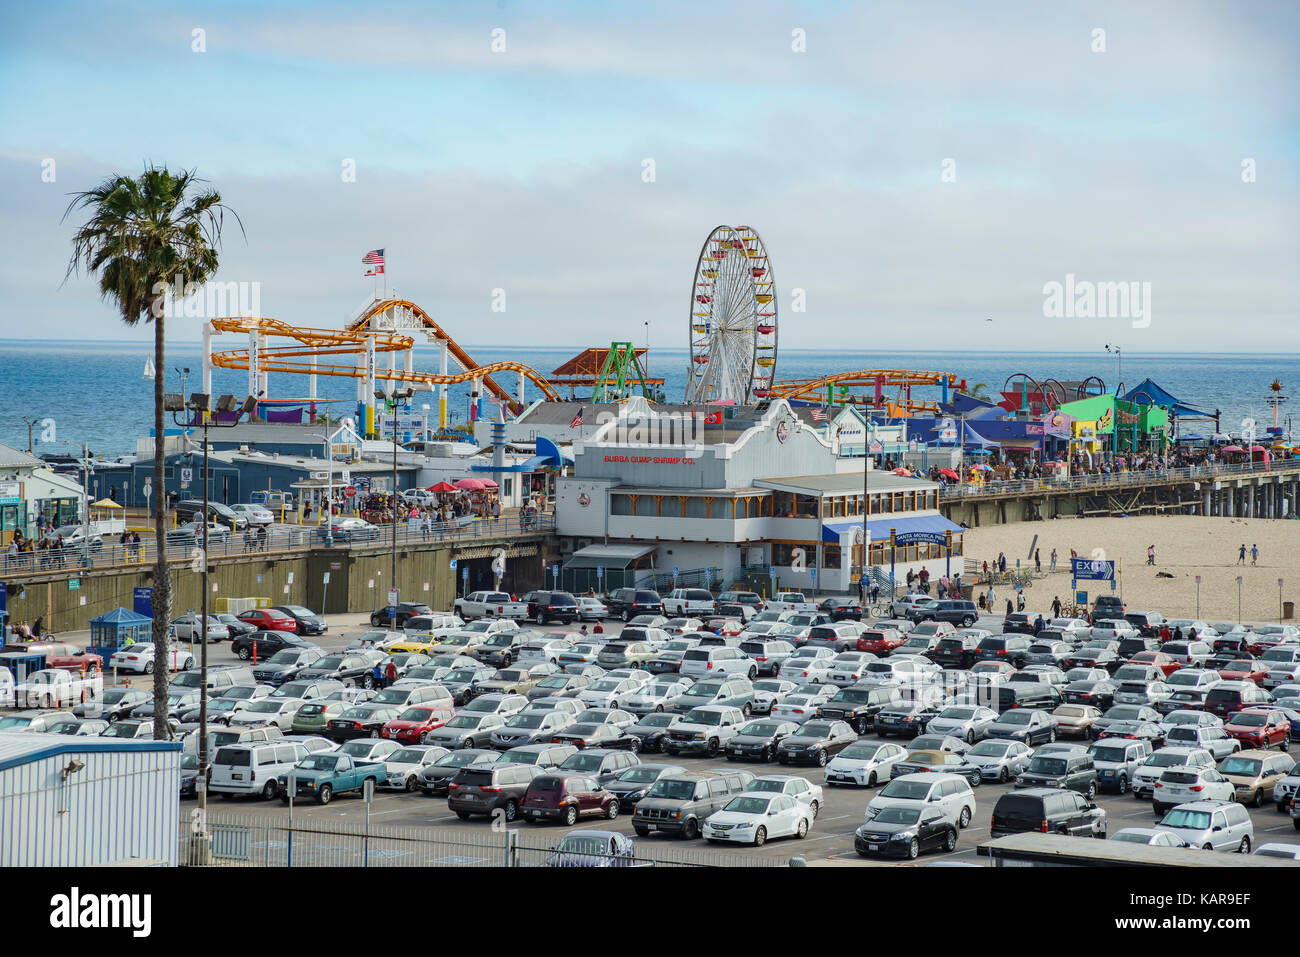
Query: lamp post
{"points": [[392, 400], [1198, 596], [1239, 598], [200, 403]]}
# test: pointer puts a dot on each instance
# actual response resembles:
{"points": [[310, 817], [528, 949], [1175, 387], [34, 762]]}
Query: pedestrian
{"points": [[1052, 566], [583, 631], [983, 605], [1241, 555], [1254, 554], [1038, 560], [390, 673], [1056, 606], [1009, 608], [1151, 554], [377, 675], [1039, 624], [991, 596], [1020, 601], [1178, 633], [1002, 562], [1165, 633], [875, 591]]}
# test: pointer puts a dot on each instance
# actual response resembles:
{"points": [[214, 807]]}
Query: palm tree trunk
{"points": [[161, 599]]}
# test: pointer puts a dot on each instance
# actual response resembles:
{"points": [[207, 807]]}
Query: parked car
{"points": [[566, 797], [1048, 810], [1256, 774], [1145, 777], [1210, 825], [679, 803]]}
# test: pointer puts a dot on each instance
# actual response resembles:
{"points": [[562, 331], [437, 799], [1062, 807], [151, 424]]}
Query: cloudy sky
{"points": [[525, 169]]}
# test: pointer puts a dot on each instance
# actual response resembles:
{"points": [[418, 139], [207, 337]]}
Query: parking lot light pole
{"points": [[199, 403], [392, 401]]}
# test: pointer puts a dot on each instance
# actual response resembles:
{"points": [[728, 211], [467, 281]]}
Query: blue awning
{"points": [[907, 531]]}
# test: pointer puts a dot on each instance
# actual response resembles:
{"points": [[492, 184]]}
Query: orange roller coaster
{"points": [[386, 325], [901, 381]]}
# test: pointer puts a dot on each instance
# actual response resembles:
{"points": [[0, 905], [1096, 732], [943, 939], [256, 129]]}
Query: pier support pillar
{"points": [[1205, 508], [1250, 500]]}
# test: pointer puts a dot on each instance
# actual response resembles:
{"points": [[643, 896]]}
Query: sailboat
{"points": [[148, 369]]}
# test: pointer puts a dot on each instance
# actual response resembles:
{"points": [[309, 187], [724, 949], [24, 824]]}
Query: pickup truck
{"points": [[59, 654], [790, 601], [321, 776], [489, 604], [55, 688]]}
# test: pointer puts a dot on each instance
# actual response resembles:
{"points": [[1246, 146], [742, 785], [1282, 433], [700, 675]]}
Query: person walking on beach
{"points": [[991, 596], [1151, 554], [1254, 554], [1038, 560], [1052, 566], [1241, 555]]}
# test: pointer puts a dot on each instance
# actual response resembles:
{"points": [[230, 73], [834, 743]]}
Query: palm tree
{"points": [[978, 391], [142, 236]]}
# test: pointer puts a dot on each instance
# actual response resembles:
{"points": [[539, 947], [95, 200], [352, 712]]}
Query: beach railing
{"points": [[1113, 480]]}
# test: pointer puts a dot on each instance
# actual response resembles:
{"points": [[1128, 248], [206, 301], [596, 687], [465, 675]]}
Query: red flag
{"points": [[713, 418]]}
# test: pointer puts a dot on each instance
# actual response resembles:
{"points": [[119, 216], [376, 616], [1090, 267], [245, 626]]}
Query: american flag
{"points": [[818, 415], [375, 256], [577, 419]]}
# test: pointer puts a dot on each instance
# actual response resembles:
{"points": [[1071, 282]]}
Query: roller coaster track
{"points": [[901, 379], [301, 355]]}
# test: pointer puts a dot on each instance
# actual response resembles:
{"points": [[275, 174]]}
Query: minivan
{"points": [[253, 768], [1211, 825], [481, 790], [1255, 774], [718, 660], [950, 793]]}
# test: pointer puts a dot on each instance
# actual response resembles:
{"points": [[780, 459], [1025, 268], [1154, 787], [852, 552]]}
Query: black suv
{"points": [[1026, 695], [957, 611], [354, 670], [406, 610], [309, 623], [1048, 810], [858, 706], [544, 606], [1019, 623], [955, 651], [1107, 607], [627, 603], [1011, 648], [1070, 770]]}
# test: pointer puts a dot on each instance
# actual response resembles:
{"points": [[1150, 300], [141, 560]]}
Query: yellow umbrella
{"points": [[105, 503]]}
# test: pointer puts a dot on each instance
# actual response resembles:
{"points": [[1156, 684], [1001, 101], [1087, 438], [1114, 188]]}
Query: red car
{"points": [[413, 725], [268, 619], [1258, 728], [879, 641], [1158, 658], [567, 797], [728, 627], [1244, 670], [59, 654]]}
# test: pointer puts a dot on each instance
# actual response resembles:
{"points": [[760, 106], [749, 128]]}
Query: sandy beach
{"points": [[1186, 546]]}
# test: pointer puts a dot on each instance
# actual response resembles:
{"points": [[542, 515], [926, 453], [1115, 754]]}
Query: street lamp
{"points": [[200, 403], [392, 401]]}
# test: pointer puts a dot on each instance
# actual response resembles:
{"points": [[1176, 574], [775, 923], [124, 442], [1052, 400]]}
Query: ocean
{"points": [[94, 392]]}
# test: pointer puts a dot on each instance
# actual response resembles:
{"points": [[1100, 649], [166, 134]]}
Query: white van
{"points": [[717, 660], [254, 768]]}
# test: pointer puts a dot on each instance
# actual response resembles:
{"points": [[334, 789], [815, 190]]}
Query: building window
{"points": [[671, 507], [695, 508], [507, 487], [620, 505]]}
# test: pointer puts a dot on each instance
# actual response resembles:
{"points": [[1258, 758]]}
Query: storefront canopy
{"points": [[608, 556], [907, 531]]}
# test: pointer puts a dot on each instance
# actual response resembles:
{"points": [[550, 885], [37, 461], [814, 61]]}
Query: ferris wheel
{"points": [[732, 320]]}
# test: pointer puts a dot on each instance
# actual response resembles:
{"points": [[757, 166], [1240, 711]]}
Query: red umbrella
{"points": [[904, 472], [1233, 448], [470, 484], [442, 487], [488, 483], [949, 473]]}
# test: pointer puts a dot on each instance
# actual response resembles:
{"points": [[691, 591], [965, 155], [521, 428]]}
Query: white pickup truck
{"points": [[490, 604], [790, 601], [54, 688]]}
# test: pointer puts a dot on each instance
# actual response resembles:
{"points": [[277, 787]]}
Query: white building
{"points": [[69, 801], [759, 493]]}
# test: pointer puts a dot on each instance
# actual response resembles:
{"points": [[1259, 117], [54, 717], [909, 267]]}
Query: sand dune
{"points": [[1186, 546]]}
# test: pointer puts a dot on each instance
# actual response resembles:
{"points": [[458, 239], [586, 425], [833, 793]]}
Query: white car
{"points": [[849, 667], [753, 817], [545, 649], [800, 706], [54, 687], [769, 691], [956, 801], [801, 789], [1113, 630], [790, 601], [658, 695], [1074, 629], [1281, 673], [139, 658], [807, 666], [404, 766], [1151, 770], [488, 626], [190, 628], [432, 626], [683, 626], [901, 605], [375, 638], [865, 764], [254, 514], [276, 711], [591, 609], [968, 722], [610, 692], [1184, 785]]}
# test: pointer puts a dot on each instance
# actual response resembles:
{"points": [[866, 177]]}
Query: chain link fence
{"points": [[232, 840]]}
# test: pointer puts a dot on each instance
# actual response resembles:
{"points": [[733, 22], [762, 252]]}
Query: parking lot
{"points": [[831, 837]]}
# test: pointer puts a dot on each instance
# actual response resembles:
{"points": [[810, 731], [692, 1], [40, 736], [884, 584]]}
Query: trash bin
{"points": [[1288, 609]]}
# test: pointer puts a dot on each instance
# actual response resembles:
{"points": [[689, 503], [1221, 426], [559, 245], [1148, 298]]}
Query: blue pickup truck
{"points": [[321, 776]]}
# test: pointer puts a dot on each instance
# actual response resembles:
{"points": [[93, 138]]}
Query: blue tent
{"points": [[1147, 393]]}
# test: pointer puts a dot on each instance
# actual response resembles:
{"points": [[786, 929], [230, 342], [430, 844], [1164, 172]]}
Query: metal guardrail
{"points": [[280, 539], [1112, 481], [259, 841]]}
